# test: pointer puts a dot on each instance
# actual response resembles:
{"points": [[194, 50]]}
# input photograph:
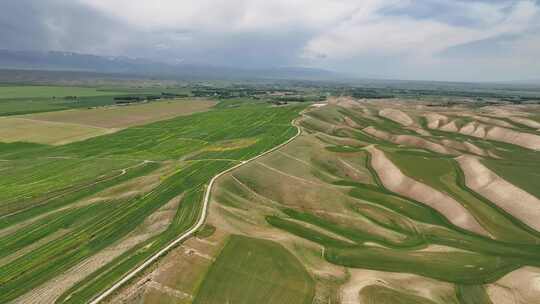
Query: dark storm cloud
{"points": [[57, 25], [71, 26], [19, 29]]}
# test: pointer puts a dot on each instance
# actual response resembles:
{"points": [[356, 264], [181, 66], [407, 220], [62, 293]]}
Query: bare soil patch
{"points": [[512, 199], [525, 121], [435, 120], [521, 286], [398, 116], [396, 181], [15, 129], [126, 116], [176, 276], [418, 285], [450, 127], [464, 146], [492, 121], [498, 131], [409, 140], [526, 140], [62, 127]]}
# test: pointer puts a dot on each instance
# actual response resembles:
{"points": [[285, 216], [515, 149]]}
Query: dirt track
{"points": [[191, 231]]}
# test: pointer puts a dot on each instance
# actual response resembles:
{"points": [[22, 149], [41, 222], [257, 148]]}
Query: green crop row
{"points": [[91, 228]]}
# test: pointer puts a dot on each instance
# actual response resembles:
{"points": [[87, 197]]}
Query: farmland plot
{"points": [[73, 224]]}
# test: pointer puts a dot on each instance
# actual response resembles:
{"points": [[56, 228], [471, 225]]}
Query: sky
{"points": [[473, 40]]}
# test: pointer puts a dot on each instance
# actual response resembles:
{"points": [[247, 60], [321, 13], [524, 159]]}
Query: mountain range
{"points": [[69, 61]]}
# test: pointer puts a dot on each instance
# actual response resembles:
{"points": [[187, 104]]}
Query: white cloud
{"points": [[340, 28], [226, 15], [409, 38], [420, 38]]}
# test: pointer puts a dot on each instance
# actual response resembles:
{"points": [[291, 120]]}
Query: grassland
{"points": [[46, 179], [63, 179], [24, 106], [18, 100], [50, 91], [444, 174], [523, 172], [383, 295], [472, 294], [26, 99], [255, 271], [31, 91], [324, 200]]}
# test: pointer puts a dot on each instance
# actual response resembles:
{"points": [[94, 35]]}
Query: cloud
{"points": [[58, 25], [385, 38], [408, 40], [403, 34], [225, 16]]}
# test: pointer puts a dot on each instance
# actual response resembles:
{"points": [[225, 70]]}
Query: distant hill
{"points": [[68, 61]]}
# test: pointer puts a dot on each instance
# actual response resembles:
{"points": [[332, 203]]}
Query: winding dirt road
{"points": [[198, 225]]}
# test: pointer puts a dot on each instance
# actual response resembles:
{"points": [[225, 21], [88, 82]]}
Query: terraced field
{"points": [[381, 205], [75, 218]]}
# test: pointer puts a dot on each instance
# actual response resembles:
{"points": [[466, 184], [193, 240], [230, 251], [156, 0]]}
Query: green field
{"points": [[24, 106], [46, 184], [443, 174], [523, 172], [27, 99], [472, 294], [27, 105], [255, 271], [10, 92], [16, 100], [375, 294]]}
